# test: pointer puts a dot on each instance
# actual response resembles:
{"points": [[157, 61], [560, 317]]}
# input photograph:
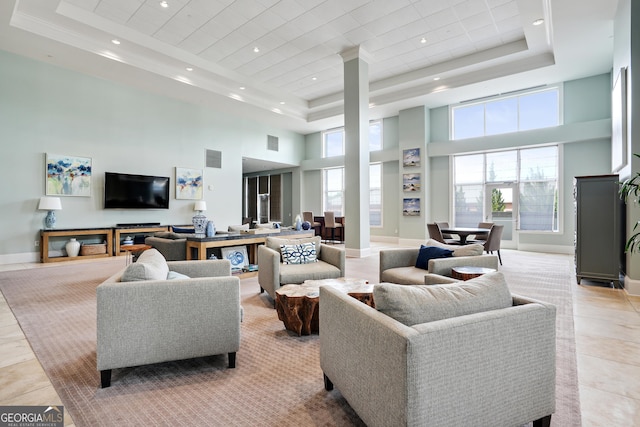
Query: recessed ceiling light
{"points": [[164, 4], [189, 69], [314, 78], [282, 102], [436, 78], [538, 21], [242, 88], [256, 49], [423, 40], [115, 41]]}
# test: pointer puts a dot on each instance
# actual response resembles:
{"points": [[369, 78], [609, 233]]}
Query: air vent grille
{"points": [[214, 159], [272, 143]]}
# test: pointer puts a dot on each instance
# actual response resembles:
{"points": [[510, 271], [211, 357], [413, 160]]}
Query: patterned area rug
{"points": [[277, 381]]}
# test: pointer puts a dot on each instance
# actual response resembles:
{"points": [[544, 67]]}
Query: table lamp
{"points": [[50, 204], [199, 220]]}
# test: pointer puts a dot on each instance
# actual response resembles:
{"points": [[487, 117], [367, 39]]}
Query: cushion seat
{"points": [[292, 273]]}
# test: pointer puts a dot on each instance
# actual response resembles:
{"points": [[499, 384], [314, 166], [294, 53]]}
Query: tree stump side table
{"points": [[297, 305], [467, 273]]}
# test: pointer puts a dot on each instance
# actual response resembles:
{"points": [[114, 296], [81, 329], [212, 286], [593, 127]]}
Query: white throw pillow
{"points": [[151, 265]]}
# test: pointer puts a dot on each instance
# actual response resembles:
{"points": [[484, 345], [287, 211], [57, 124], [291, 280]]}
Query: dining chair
{"points": [[481, 238], [436, 234], [330, 223], [317, 227], [444, 224], [493, 240]]}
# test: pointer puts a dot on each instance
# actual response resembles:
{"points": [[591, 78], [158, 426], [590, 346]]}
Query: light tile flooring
{"points": [[607, 326]]}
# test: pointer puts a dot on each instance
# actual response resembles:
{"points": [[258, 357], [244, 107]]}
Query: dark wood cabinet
{"points": [[599, 240]]}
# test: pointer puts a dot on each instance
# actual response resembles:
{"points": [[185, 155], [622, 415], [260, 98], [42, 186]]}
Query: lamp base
{"points": [[50, 220], [200, 224]]}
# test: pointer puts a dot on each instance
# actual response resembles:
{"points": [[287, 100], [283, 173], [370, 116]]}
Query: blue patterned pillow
{"points": [[303, 253]]}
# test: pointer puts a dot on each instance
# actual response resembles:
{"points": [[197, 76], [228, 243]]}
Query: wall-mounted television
{"points": [[126, 191]]}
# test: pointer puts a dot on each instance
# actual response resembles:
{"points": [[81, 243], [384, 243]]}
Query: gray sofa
{"points": [[152, 319], [473, 368], [398, 265], [273, 273]]}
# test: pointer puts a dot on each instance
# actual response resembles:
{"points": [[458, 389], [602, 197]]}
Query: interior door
{"points": [[501, 207]]}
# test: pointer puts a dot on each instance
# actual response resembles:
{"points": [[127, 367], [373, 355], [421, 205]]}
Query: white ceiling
{"points": [[476, 48]]}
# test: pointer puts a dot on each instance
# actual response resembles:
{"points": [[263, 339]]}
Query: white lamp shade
{"points": [[50, 204], [200, 205]]}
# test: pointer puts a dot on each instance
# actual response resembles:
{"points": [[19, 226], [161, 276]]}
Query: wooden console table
{"points": [[105, 234], [119, 231]]}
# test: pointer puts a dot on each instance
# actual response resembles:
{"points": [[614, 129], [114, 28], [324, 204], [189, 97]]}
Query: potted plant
{"points": [[631, 187]]}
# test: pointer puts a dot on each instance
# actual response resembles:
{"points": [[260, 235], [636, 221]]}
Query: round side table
{"points": [[468, 272]]}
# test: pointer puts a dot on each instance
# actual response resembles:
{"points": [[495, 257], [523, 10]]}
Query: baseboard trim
{"points": [[632, 286], [357, 253], [20, 258], [548, 249]]}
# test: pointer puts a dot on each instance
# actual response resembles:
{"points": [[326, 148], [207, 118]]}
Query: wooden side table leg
{"points": [[289, 313]]}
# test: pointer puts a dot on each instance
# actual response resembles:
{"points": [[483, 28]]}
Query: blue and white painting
{"points": [[411, 182], [237, 255], [411, 157], [189, 183], [68, 175], [411, 207]]}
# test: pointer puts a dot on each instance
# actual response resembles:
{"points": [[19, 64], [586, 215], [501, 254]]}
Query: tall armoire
{"points": [[599, 241]]}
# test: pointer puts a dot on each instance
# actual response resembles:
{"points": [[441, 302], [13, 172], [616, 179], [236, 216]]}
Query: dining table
{"points": [[464, 232]]}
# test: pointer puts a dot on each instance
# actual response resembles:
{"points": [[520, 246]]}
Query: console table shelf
{"points": [[119, 231], [105, 234]]}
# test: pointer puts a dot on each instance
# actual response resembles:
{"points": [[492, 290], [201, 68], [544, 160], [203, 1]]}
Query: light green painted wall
{"points": [[46, 109]]}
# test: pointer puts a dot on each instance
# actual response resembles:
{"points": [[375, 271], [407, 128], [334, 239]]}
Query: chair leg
{"points": [[232, 360], [499, 257], [543, 422], [105, 378], [328, 385]]}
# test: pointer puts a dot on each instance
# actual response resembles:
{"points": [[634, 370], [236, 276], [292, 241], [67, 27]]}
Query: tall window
{"points": [[534, 170], [333, 190], [375, 195], [333, 140], [532, 110]]}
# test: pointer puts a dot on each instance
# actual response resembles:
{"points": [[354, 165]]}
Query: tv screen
{"points": [[125, 191]]}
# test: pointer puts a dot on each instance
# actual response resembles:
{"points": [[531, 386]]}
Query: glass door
{"points": [[501, 207]]}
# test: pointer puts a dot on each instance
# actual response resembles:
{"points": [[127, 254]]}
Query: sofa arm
{"points": [[393, 258], [205, 268], [334, 256], [268, 270], [442, 266]]}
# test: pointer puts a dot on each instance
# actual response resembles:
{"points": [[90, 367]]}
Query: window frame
{"points": [[325, 133], [380, 188]]}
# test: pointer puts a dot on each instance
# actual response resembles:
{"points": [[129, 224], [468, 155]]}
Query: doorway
{"points": [[501, 207]]}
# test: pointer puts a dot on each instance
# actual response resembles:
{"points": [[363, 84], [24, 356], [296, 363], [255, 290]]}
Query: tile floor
{"points": [[607, 326]]}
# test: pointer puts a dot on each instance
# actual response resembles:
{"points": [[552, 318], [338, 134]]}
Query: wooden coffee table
{"points": [[297, 305], [467, 273]]}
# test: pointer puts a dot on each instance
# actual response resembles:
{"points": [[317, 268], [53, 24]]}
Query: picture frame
{"points": [[189, 184], [411, 206], [411, 182], [411, 157], [67, 175], [237, 255]]}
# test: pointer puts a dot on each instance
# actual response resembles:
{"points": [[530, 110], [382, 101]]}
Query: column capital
{"points": [[356, 52]]}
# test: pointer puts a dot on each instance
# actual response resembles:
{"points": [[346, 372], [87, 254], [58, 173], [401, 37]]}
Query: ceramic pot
{"points": [[72, 247]]}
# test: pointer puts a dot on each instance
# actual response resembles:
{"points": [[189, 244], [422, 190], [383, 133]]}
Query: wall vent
{"points": [[272, 143], [214, 159]]}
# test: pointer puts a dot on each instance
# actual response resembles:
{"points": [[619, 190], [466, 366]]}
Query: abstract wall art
{"points": [[68, 175], [189, 183]]}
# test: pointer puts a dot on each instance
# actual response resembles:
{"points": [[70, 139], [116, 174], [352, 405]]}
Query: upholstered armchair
{"points": [[173, 246], [156, 311], [273, 272], [398, 265], [461, 354]]}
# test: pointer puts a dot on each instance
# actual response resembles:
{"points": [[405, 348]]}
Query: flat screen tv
{"points": [[125, 191]]}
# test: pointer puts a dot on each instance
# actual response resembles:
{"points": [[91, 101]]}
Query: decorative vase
{"points": [[298, 223], [211, 229], [200, 224], [72, 247]]}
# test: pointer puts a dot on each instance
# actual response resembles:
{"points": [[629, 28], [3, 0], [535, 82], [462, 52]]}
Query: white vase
{"points": [[72, 247]]}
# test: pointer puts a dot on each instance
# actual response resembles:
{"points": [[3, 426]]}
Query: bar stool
{"points": [[330, 223], [317, 227]]}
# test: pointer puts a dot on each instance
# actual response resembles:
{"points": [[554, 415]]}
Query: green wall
{"points": [[46, 109]]}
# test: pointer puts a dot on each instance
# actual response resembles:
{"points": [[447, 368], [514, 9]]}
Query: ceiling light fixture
{"points": [[314, 78], [189, 69], [115, 41], [282, 102], [256, 49], [538, 22], [436, 78], [423, 40], [164, 4], [242, 88]]}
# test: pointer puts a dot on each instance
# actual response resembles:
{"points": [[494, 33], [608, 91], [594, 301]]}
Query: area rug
{"points": [[277, 381]]}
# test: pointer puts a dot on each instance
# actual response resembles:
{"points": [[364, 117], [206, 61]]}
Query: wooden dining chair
{"points": [[331, 224]]}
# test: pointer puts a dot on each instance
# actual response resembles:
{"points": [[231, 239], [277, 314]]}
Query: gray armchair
{"points": [[398, 265], [150, 321], [487, 368], [273, 273], [173, 246]]}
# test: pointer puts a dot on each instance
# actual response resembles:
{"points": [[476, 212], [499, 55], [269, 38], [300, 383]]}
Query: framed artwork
{"points": [[411, 206], [411, 157], [237, 255], [411, 182], [68, 175], [189, 184]]}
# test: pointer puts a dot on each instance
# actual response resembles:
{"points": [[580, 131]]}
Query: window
{"points": [[534, 170], [375, 195], [532, 110], [333, 140], [333, 190]]}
